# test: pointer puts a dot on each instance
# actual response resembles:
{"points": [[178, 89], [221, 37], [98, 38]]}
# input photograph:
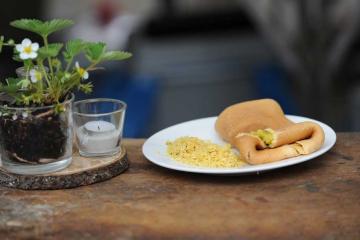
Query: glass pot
{"points": [[98, 125], [36, 140]]}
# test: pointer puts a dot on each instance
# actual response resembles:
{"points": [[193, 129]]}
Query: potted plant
{"points": [[36, 133]]}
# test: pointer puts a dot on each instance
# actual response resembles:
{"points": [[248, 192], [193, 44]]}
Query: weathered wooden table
{"points": [[319, 199]]}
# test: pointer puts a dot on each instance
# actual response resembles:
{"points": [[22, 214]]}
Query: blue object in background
{"points": [[271, 82], [139, 93]]}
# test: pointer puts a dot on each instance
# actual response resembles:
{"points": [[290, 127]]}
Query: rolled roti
{"points": [[262, 133], [249, 116]]}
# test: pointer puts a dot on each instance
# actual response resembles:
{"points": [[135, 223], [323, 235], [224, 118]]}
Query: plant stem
{"points": [[68, 65], [71, 85], [46, 44], [8, 45], [73, 75], [45, 114], [45, 74], [91, 66], [41, 85], [27, 73]]}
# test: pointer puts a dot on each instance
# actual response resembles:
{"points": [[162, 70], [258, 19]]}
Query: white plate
{"points": [[154, 148]]}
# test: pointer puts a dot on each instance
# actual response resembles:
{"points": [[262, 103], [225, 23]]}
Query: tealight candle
{"points": [[99, 127], [98, 137]]}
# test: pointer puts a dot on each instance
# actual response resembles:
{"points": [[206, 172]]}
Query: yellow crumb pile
{"points": [[197, 152]]}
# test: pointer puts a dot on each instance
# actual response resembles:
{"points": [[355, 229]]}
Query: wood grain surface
{"points": [[82, 171], [319, 199]]}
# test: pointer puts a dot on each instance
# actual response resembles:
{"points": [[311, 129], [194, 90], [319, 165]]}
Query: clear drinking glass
{"points": [[98, 126]]}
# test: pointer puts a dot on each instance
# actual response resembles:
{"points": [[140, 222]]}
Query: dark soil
{"points": [[31, 139]]}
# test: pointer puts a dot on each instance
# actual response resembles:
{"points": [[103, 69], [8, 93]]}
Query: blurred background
{"points": [[193, 58]]}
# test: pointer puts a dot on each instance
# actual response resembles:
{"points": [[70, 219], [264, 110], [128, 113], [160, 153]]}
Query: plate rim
{"points": [[250, 168]]}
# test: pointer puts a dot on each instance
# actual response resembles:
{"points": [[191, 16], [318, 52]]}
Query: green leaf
{"points": [[13, 81], [115, 56], [52, 50], [9, 89], [94, 51], [43, 28], [12, 85], [73, 48]]}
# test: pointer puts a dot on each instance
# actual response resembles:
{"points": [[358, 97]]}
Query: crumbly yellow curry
{"points": [[197, 152]]}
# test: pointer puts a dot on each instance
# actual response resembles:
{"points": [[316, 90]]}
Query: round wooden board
{"points": [[82, 171]]}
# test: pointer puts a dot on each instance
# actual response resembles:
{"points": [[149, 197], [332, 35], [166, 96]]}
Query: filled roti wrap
{"points": [[262, 133]]}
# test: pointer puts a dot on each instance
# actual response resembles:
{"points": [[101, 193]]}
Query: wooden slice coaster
{"points": [[82, 171]]}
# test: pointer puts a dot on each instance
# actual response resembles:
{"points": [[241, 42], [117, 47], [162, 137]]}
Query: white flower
{"points": [[82, 72], [27, 49], [35, 76]]}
